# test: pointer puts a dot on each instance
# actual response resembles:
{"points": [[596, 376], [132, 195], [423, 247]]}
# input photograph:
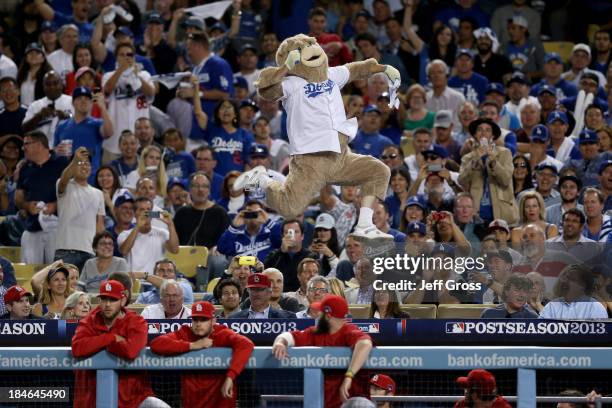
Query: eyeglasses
{"points": [[523, 165], [105, 243], [127, 54], [200, 186], [318, 290], [389, 156], [431, 157]]}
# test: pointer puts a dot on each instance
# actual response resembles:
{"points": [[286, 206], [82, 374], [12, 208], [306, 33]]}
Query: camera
{"points": [[247, 261], [437, 216], [291, 233], [250, 215], [434, 168], [154, 214]]}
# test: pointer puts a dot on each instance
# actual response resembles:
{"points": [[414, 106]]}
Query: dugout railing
{"points": [[313, 360]]}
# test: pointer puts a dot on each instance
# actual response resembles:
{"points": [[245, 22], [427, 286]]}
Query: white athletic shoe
{"points": [[371, 234], [252, 179]]}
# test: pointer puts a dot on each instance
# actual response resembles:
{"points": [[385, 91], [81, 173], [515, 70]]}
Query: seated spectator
{"points": [[164, 270], [76, 306], [13, 112], [206, 163], [573, 299], [259, 155], [532, 211], [178, 162], [515, 294], [563, 148], [317, 288], [106, 180], [231, 200], [442, 96], [278, 148], [393, 157], [499, 265], [467, 113], [307, 269], [603, 278], [364, 276], [435, 162], [278, 300], [588, 166], [548, 101], [228, 294], [434, 198], [33, 68], [381, 218], [170, 304], [144, 244], [414, 211], [589, 83], [537, 298], [145, 133], [386, 305], [240, 268], [124, 214], [524, 51], [150, 166], [579, 62], [597, 225], [468, 221], [443, 128], [53, 293], [17, 303], [177, 195], [442, 45], [325, 243], [492, 110], [128, 160], [260, 292], [594, 117], [521, 176], [571, 240], [553, 68], [99, 268], [466, 81], [416, 115], [145, 187], [444, 229], [368, 140]]}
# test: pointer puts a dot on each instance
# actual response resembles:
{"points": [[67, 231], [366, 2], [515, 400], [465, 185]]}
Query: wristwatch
{"points": [[146, 275]]}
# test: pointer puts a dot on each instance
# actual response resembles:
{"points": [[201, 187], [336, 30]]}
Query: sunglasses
{"points": [[389, 156], [523, 165]]}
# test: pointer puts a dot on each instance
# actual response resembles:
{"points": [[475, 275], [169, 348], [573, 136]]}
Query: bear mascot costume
{"points": [[319, 133]]}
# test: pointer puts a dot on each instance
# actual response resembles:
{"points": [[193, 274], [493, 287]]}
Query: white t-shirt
{"points": [[126, 104], [61, 62], [156, 311], [27, 91], [315, 113], [78, 208], [47, 126], [147, 249], [8, 68]]}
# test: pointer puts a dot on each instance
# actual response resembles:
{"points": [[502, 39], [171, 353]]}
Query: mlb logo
{"points": [[154, 328], [373, 328], [455, 327]]}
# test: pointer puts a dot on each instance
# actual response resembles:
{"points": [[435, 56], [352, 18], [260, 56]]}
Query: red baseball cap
{"points": [[15, 293], [203, 309], [335, 306], [112, 288], [258, 280], [383, 381], [481, 381]]}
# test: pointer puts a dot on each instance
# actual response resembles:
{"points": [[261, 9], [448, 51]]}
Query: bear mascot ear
{"points": [[290, 44]]}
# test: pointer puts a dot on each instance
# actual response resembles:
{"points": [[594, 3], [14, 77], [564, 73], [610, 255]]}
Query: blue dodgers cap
{"points": [[553, 56], [416, 226], [155, 18], [414, 200], [240, 82], [496, 87], [547, 88], [194, 22], [603, 166], [177, 181], [464, 51], [445, 249], [247, 47], [540, 133], [48, 26], [259, 150], [81, 91], [248, 102], [371, 108], [556, 115], [518, 77], [588, 136], [437, 150], [124, 198], [124, 30], [545, 166], [218, 26]]}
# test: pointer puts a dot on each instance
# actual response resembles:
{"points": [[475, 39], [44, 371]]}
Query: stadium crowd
{"points": [[125, 124]]}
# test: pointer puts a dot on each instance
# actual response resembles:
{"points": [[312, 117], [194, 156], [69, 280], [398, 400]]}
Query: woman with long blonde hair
{"points": [[53, 294], [151, 165], [532, 211]]}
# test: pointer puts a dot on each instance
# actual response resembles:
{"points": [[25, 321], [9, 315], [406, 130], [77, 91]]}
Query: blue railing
{"points": [[526, 360]]}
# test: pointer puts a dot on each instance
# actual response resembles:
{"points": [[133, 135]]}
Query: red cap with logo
{"points": [[112, 288], [15, 293], [335, 306], [383, 381], [203, 309], [481, 381], [258, 280]]}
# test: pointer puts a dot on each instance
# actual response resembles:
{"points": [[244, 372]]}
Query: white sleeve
{"points": [[33, 109], [101, 206], [287, 337], [287, 87], [339, 75], [123, 236]]}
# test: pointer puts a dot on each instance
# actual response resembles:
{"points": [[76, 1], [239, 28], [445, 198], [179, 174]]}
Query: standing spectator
{"points": [[603, 51], [61, 59], [553, 68], [157, 49], [206, 162], [569, 188], [269, 45], [45, 114], [214, 73], [124, 214], [145, 134], [368, 140], [487, 62], [33, 68], [499, 20], [151, 167], [524, 51], [129, 91], [416, 115], [442, 96], [369, 49], [80, 208], [79, 17], [337, 52], [278, 148], [260, 293], [100, 267], [178, 162], [37, 180], [247, 61], [11, 116], [587, 167], [466, 81], [48, 37], [170, 306], [579, 62], [442, 46], [82, 130], [84, 73], [128, 161]]}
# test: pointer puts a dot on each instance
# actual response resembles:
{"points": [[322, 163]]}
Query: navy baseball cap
{"points": [[371, 108], [518, 77], [556, 115], [81, 91], [48, 26], [218, 26], [33, 47], [194, 22], [464, 51], [540, 133], [603, 165], [247, 47], [497, 88], [416, 226], [177, 181], [414, 200], [588, 136], [444, 249], [436, 149], [547, 88], [575, 179], [124, 198], [125, 30], [544, 166], [259, 150], [553, 56], [155, 18], [248, 102], [240, 82]]}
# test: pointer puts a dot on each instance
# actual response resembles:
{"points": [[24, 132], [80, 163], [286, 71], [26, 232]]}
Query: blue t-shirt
{"points": [[110, 63], [565, 89], [370, 143], [123, 169], [216, 73], [473, 88], [85, 29], [216, 186], [452, 15], [486, 206], [518, 55], [231, 150], [180, 165], [83, 134]]}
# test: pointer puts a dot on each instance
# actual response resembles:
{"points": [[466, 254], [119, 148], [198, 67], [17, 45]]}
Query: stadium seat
{"points": [[135, 286], [25, 283], [189, 258], [94, 299], [11, 253], [211, 285], [467, 311], [417, 311], [563, 48], [360, 311], [25, 271]]}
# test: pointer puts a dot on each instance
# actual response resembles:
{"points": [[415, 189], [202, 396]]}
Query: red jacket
{"points": [[498, 402], [343, 56], [93, 336], [201, 389]]}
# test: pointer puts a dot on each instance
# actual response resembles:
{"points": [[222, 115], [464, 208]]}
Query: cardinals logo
{"points": [[108, 287], [256, 279], [199, 308]]}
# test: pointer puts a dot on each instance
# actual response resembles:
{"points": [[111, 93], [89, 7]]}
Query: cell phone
{"points": [[317, 241], [291, 233], [247, 261], [154, 214], [437, 216], [434, 168], [250, 215], [484, 142], [185, 85]]}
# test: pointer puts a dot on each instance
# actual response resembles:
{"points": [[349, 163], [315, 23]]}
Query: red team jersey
{"points": [[498, 402], [347, 336], [203, 389], [93, 336]]}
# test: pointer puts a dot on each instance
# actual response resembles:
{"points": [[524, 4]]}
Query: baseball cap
{"points": [[34, 47], [588, 136], [553, 56], [218, 26], [575, 179], [444, 249], [497, 88], [55, 271], [582, 47], [240, 82], [499, 224], [548, 166], [464, 51], [123, 30], [416, 226], [194, 22], [155, 18], [590, 75], [556, 115], [248, 102], [501, 253], [81, 71], [494, 126], [444, 119], [481, 381], [519, 21], [547, 88], [48, 26], [518, 77], [326, 221], [436, 149], [383, 381], [124, 198], [112, 288], [81, 91], [176, 181], [335, 306], [540, 133], [15, 293], [202, 309], [259, 150], [414, 200], [258, 280], [247, 47], [384, 95], [371, 108], [603, 166]]}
